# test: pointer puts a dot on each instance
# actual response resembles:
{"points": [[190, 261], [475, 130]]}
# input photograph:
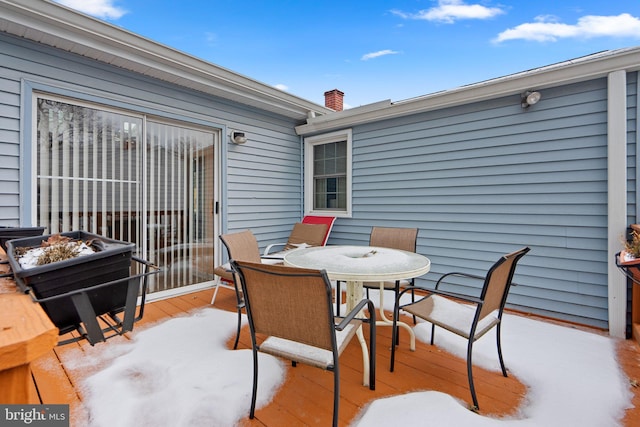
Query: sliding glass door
{"points": [[179, 202], [130, 177]]}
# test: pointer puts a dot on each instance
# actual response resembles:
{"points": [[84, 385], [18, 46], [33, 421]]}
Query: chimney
{"points": [[333, 99]]}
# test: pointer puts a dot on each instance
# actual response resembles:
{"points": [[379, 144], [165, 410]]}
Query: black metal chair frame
{"points": [[240, 304], [478, 301], [339, 327]]}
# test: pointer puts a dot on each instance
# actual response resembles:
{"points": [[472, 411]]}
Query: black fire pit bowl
{"points": [[110, 263]]}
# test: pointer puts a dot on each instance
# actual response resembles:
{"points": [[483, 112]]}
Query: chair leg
{"points": [[254, 391], [219, 282], [239, 306], [215, 293], [470, 375], [396, 293], [394, 332], [413, 299], [433, 332], [336, 394], [338, 298], [372, 352], [235, 344], [504, 370]]}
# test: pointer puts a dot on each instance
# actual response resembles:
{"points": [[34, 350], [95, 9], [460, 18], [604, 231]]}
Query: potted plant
{"points": [[628, 260], [630, 255]]}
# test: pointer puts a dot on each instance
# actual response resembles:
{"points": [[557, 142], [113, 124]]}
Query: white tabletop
{"points": [[360, 263]]}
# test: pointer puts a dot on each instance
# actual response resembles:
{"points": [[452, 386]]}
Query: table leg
{"points": [[389, 322], [354, 296]]}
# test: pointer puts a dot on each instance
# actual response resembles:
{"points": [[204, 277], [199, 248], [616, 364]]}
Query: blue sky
{"points": [[376, 50]]}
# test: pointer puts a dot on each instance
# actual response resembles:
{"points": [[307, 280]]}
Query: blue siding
{"points": [[633, 178], [262, 178], [487, 178], [633, 143]]}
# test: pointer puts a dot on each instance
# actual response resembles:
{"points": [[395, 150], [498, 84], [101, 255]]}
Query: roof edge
{"points": [[571, 71], [61, 27]]}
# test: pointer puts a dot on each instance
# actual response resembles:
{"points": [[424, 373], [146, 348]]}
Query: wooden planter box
{"points": [[55, 285]]}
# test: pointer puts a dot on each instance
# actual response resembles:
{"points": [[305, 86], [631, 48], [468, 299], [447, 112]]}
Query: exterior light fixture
{"points": [[238, 137], [529, 98]]}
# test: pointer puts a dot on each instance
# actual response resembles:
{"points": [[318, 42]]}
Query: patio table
{"points": [[358, 264]]}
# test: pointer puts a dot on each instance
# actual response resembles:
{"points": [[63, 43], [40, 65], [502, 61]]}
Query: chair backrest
{"points": [[328, 220], [290, 303], [306, 234], [241, 246], [394, 238], [498, 282]]}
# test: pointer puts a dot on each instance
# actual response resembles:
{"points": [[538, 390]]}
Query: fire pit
{"points": [[75, 291]]}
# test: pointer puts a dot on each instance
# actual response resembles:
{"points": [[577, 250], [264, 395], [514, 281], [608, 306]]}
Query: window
{"points": [[328, 174]]}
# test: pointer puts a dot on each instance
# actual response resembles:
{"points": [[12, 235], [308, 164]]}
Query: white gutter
{"points": [[581, 69]]}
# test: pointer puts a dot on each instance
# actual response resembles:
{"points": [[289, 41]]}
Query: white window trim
{"points": [[309, 143]]}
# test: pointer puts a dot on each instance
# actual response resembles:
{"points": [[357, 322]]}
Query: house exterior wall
{"points": [[260, 181], [484, 179], [479, 179]]}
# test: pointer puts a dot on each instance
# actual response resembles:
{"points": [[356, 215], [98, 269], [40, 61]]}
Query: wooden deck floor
{"points": [[306, 397]]}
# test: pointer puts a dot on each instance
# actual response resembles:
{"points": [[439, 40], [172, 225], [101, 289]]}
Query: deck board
{"points": [[306, 396]]}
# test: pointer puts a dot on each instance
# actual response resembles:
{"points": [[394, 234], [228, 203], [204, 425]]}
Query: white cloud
{"points": [[378, 54], [281, 87], [450, 11], [211, 38], [549, 29], [104, 9]]}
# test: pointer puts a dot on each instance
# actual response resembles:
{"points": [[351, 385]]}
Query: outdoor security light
{"points": [[238, 137], [530, 98]]}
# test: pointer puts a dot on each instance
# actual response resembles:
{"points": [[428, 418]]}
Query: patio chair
{"points": [[388, 237], [241, 246], [467, 316], [293, 308], [312, 231]]}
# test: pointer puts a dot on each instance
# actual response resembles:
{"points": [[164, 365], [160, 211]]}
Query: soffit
{"points": [[63, 28]]}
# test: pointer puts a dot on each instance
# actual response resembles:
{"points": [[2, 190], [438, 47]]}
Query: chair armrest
{"points": [[473, 276], [226, 267], [467, 298], [457, 273], [267, 250], [354, 312]]}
